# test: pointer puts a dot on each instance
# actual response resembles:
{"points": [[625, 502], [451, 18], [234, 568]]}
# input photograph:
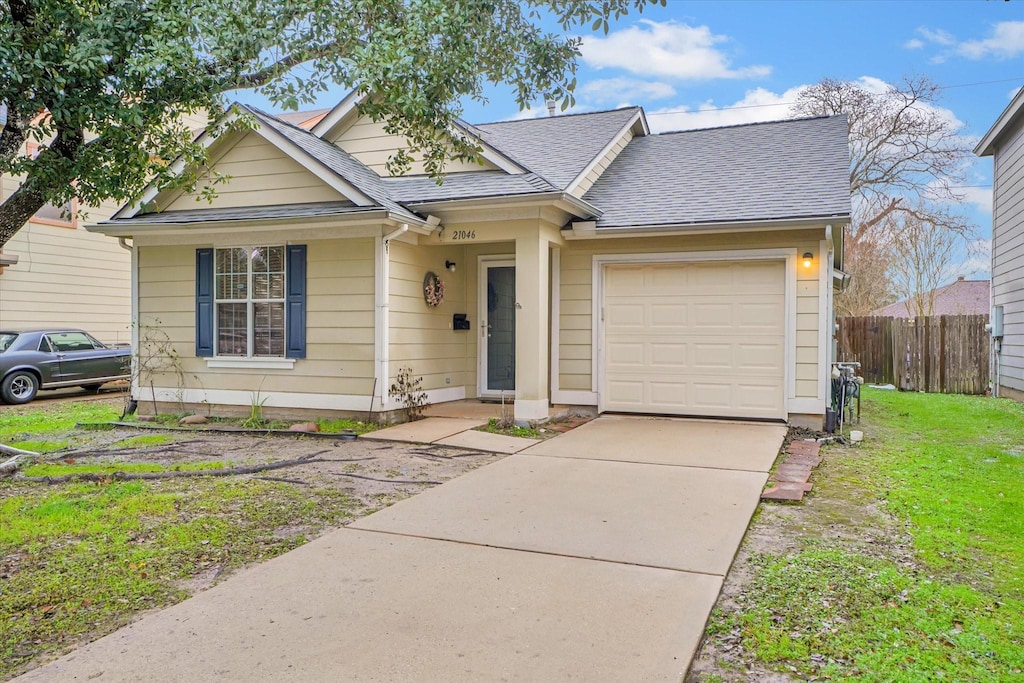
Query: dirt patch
{"points": [[375, 473]]}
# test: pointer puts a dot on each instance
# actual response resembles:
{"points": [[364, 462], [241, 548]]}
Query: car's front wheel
{"points": [[20, 386]]}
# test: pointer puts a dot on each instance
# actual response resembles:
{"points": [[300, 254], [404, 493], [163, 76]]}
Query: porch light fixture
{"points": [[808, 259], [450, 265]]}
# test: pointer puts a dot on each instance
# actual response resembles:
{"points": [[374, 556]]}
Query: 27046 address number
{"points": [[463, 235]]}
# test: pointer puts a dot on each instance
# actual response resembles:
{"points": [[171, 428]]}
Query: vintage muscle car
{"points": [[56, 358]]}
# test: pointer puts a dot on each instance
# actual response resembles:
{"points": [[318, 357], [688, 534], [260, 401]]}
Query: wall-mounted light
{"points": [[808, 259], [450, 265]]}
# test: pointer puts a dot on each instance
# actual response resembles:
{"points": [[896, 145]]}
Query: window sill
{"points": [[251, 363]]}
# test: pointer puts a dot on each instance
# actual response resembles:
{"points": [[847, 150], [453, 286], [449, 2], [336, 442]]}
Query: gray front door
{"points": [[498, 327]]}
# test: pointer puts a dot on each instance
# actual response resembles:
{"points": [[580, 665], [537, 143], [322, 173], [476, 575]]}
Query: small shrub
{"points": [[409, 393]]}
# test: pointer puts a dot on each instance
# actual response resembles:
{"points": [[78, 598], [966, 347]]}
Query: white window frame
{"points": [[249, 360]]}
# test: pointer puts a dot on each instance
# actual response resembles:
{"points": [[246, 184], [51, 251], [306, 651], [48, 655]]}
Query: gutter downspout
{"points": [[135, 389], [382, 316]]}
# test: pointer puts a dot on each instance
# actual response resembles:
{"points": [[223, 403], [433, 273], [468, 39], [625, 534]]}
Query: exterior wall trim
{"points": [[788, 255], [254, 363], [282, 399], [555, 325], [574, 398]]}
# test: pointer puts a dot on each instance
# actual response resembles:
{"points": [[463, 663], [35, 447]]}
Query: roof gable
{"points": [[366, 140], [257, 174], [559, 148], [1013, 113], [960, 297]]}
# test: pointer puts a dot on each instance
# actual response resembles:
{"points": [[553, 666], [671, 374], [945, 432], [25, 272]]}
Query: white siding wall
{"points": [[1008, 252]]}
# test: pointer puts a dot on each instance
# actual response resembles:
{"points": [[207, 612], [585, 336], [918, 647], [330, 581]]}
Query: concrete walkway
{"points": [[596, 555]]}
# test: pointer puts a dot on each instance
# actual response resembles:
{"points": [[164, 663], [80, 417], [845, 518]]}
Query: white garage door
{"points": [[695, 338]]}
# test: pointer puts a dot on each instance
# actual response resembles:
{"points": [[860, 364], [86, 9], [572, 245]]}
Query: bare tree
{"points": [[907, 159], [922, 254], [870, 287]]}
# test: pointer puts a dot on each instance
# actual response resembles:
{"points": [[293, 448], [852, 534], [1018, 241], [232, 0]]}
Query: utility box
{"points": [[997, 322]]}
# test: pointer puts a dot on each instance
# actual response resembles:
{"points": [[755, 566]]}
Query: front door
{"points": [[497, 328]]}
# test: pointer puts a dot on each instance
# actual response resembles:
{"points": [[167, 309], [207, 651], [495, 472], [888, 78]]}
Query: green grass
{"points": [[144, 441], [493, 426], [80, 559], [23, 424], [344, 425], [61, 470], [849, 605]]}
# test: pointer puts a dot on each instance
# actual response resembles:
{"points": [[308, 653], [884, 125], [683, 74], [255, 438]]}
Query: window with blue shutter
{"points": [[204, 302], [295, 318], [251, 302]]}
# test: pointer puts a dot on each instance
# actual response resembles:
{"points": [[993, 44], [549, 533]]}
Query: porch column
{"points": [[532, 320]]}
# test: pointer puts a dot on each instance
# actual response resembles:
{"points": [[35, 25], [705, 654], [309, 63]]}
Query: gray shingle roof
{"points": [[556, 147], [961, 297], [246, 213], [763, 171], [413, 189]]}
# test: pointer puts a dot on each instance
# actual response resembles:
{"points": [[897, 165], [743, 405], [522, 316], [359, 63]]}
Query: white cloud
{"points": [[980, 197], [1005, 41], [757, 105], [937, 36], [619, 90], [668, 49], [978, 262]]}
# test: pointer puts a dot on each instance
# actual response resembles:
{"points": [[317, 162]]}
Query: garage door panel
{"points": [[695, 339], [667, 355], [758, 356]]}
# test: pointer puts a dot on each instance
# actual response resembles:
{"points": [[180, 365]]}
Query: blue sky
{"points": [[697, 63]]}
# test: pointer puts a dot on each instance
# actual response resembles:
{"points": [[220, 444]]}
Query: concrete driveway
{"points": [[596, 555]]}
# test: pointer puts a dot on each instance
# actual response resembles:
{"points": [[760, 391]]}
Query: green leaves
{"points": [[122, 74]]}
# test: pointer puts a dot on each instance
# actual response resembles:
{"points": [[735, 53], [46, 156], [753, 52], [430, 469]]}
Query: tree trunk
{"points": [[16, 210]]}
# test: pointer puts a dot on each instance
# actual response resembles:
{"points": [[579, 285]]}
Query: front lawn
{"points": [[906, 563]]}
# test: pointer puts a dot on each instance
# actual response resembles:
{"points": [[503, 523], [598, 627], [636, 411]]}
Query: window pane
{"points": [[268, 329], [232, 330], [71, 341], [61, 214], [232, 274], [268, 272]]}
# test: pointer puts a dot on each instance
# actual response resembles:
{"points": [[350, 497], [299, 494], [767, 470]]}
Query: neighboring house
{"points": [[56, 273], [962, 297], [1004, 142], [584, 262]]}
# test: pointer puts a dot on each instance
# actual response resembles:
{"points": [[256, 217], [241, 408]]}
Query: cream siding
{"points": [[1008, 252], [575, 332], [421, 336], [260, 174], [368, 142], [595, 173], [339, 315]]}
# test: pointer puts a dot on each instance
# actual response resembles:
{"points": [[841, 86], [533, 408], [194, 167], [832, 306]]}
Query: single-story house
{"points": [[583, 261], [1004, 142], [960, 297]]}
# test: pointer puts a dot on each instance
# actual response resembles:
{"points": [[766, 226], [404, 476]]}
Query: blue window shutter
{"points": [[204, 302], [295, 300]]}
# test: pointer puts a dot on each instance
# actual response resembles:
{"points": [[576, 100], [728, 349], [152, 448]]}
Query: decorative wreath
{"points": [[433, 290]]}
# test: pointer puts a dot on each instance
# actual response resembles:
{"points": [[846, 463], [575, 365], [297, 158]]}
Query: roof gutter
{"points": [[570, 203], [588, 230]]}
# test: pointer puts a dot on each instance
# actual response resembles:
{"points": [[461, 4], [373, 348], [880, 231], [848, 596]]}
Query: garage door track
{"points": [[596, 555]]}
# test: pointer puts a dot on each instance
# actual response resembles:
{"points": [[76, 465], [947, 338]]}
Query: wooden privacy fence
{"points": [[943, 354]]}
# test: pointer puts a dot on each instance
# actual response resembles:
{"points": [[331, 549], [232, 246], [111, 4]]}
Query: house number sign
{"points": [[463, 235]]}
